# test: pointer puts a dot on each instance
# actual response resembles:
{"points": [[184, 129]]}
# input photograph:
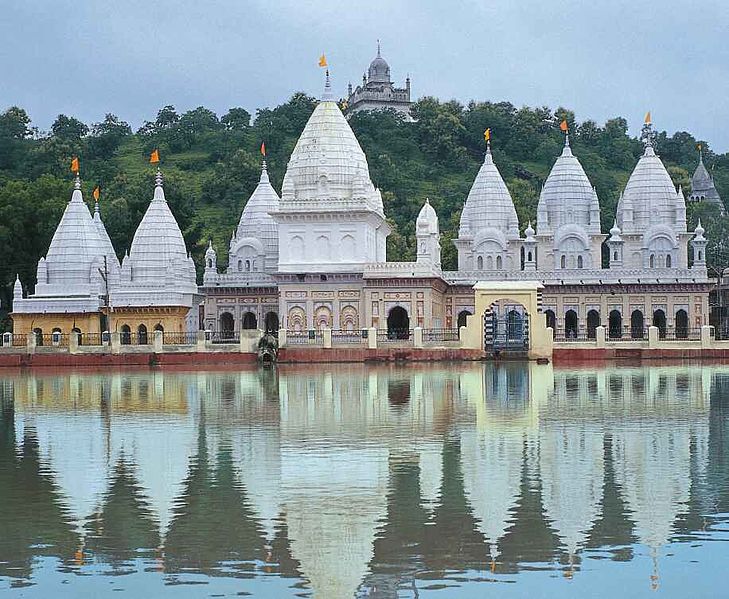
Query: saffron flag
{"points": [[648, 118], [563, 125], [699, 147], [487, 134], [323, 61], [154, 157], [97, 193], [74, 165], [263, 148]]}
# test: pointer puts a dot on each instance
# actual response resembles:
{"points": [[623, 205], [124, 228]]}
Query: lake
{"points": [[426, 480]]}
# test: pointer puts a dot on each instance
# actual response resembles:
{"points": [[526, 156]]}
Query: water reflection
{"points": [[361, 481]]}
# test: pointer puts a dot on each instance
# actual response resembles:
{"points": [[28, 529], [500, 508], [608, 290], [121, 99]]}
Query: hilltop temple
{"points": [[703, 188], [378, 91], [314, 257]]}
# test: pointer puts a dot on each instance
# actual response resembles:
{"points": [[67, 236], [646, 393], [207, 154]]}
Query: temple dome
{"points": [[427, 218], [489, 203], [649, 194], [255, 220], [379, 71], [75, 247], [158, 256], [328, 165], [567, 196]]}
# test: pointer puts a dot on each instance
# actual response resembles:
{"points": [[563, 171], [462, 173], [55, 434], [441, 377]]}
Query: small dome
{"points": [[699, 230], [650, 193], [210, 252], [489, 203], [328, 164], [158, 248], [529, 231], [379, 71], [567, 195], [615, 230], [256, 221], [427, 218]]}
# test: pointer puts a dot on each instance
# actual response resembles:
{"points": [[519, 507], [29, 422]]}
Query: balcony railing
{"points": [[394, 336], [310, 337], [349, 337], [440, 335]]}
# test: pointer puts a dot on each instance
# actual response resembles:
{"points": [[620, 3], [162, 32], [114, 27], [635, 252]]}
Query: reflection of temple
{"points": [[360, 480]]}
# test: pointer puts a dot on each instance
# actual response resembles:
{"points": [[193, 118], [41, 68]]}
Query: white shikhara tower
{"points": [[651, 216], [488, 236], [330, 218], [568, 218]]}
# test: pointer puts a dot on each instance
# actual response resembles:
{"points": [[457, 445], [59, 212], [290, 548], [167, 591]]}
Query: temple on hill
{"points": [[378, 91], [314, 257], [703, 188]]}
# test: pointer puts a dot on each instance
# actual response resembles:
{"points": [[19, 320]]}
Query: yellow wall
{"points": [[172, 318], [86, 323]]}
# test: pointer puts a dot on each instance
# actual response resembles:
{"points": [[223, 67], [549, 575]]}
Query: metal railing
{"points": [[349, 337], [178, 338], [310, 337], [394, 336], [222, 336], [434, 335]]}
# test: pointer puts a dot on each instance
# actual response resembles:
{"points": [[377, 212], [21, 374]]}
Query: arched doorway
{"points": [[506, 328], [615, 324], [159, 327], [271, 322], [514, 325], [659, 321], [398, 323], [249, 321], [126, 334], [38, 336], [227, 325], [77, 331], [551, 321], [636, 325], [142, 335], [681, 324], [570, 324], [462, 315], [593, 321]]}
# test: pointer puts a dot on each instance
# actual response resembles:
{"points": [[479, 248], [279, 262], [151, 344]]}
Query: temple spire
{"points": [[328, 95], [159, 192], [378, 49]]}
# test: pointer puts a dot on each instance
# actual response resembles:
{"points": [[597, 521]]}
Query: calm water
{"points": [[350, 481]]}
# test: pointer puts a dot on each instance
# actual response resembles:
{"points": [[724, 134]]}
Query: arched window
{"points": [[227, 325], [38, 336], [479, 263], [579, 261], [563, 261], [240, 265], [615, 255], [652, 261], [615, 325], [210, 263], [499, 263], [159, 327], [398, 323], [271, 322], [593, 321], [142, 335], [681, 324], [248, 266], [529, 256], [659, 321], [668, 261], [700, 254], [126, 334], [249, 321], [636, 324], [462, 315], [570, 324]]}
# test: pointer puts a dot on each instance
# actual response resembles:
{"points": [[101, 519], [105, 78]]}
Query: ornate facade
{"points": [[332, 270], [378, 92]]}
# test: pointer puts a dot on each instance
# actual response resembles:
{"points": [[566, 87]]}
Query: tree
{"points": [[236, 119], [68, 128], [107, 136]]}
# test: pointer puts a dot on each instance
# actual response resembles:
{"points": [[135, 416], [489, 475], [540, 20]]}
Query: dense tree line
{"points": [[212, 164]]}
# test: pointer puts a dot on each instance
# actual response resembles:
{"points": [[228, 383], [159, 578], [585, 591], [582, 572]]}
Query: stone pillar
{"points": [[282, 338], [115, 343], [73, 343], [327, 338], [157, 341], [201, 339], [372, 338], [600, 336], [30, 342], [462, 334], [418, 337], [652, 337], [707, 336]]}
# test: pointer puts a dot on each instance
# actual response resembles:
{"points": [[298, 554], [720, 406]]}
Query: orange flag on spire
{"points": [[97, 193], [74, 165], [487, 134], [564, 126], [263, 148], [323, 61], [154, 157], [648, 118]]}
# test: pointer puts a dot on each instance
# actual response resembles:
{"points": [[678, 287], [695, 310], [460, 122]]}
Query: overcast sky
{"points": [[601, 58]]}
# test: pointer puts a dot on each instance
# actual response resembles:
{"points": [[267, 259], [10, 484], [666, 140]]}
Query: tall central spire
{"points": [[328, 95]]}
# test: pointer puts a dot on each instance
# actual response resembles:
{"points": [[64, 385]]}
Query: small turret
{"points": [[615, 246], [17, 289], [530, 248], [428, 236], [211, 259], [698, 244]]}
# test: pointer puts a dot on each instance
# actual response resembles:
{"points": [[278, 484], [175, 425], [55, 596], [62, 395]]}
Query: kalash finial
{"points": [[158, 178], [378, 49], [328, 96]]}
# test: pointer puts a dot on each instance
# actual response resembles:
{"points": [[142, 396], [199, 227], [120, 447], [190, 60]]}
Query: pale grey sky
{"points": [[601, 58]]}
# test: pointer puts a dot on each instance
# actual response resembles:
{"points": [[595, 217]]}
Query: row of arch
{"points": [[248, 322], [615, 330], [142, 338]]}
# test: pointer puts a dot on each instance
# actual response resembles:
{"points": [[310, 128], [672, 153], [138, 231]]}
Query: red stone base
{"points": [[637, 354]]}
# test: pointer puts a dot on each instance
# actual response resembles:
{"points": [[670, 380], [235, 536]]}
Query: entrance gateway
{"points": [[508, 319]]}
